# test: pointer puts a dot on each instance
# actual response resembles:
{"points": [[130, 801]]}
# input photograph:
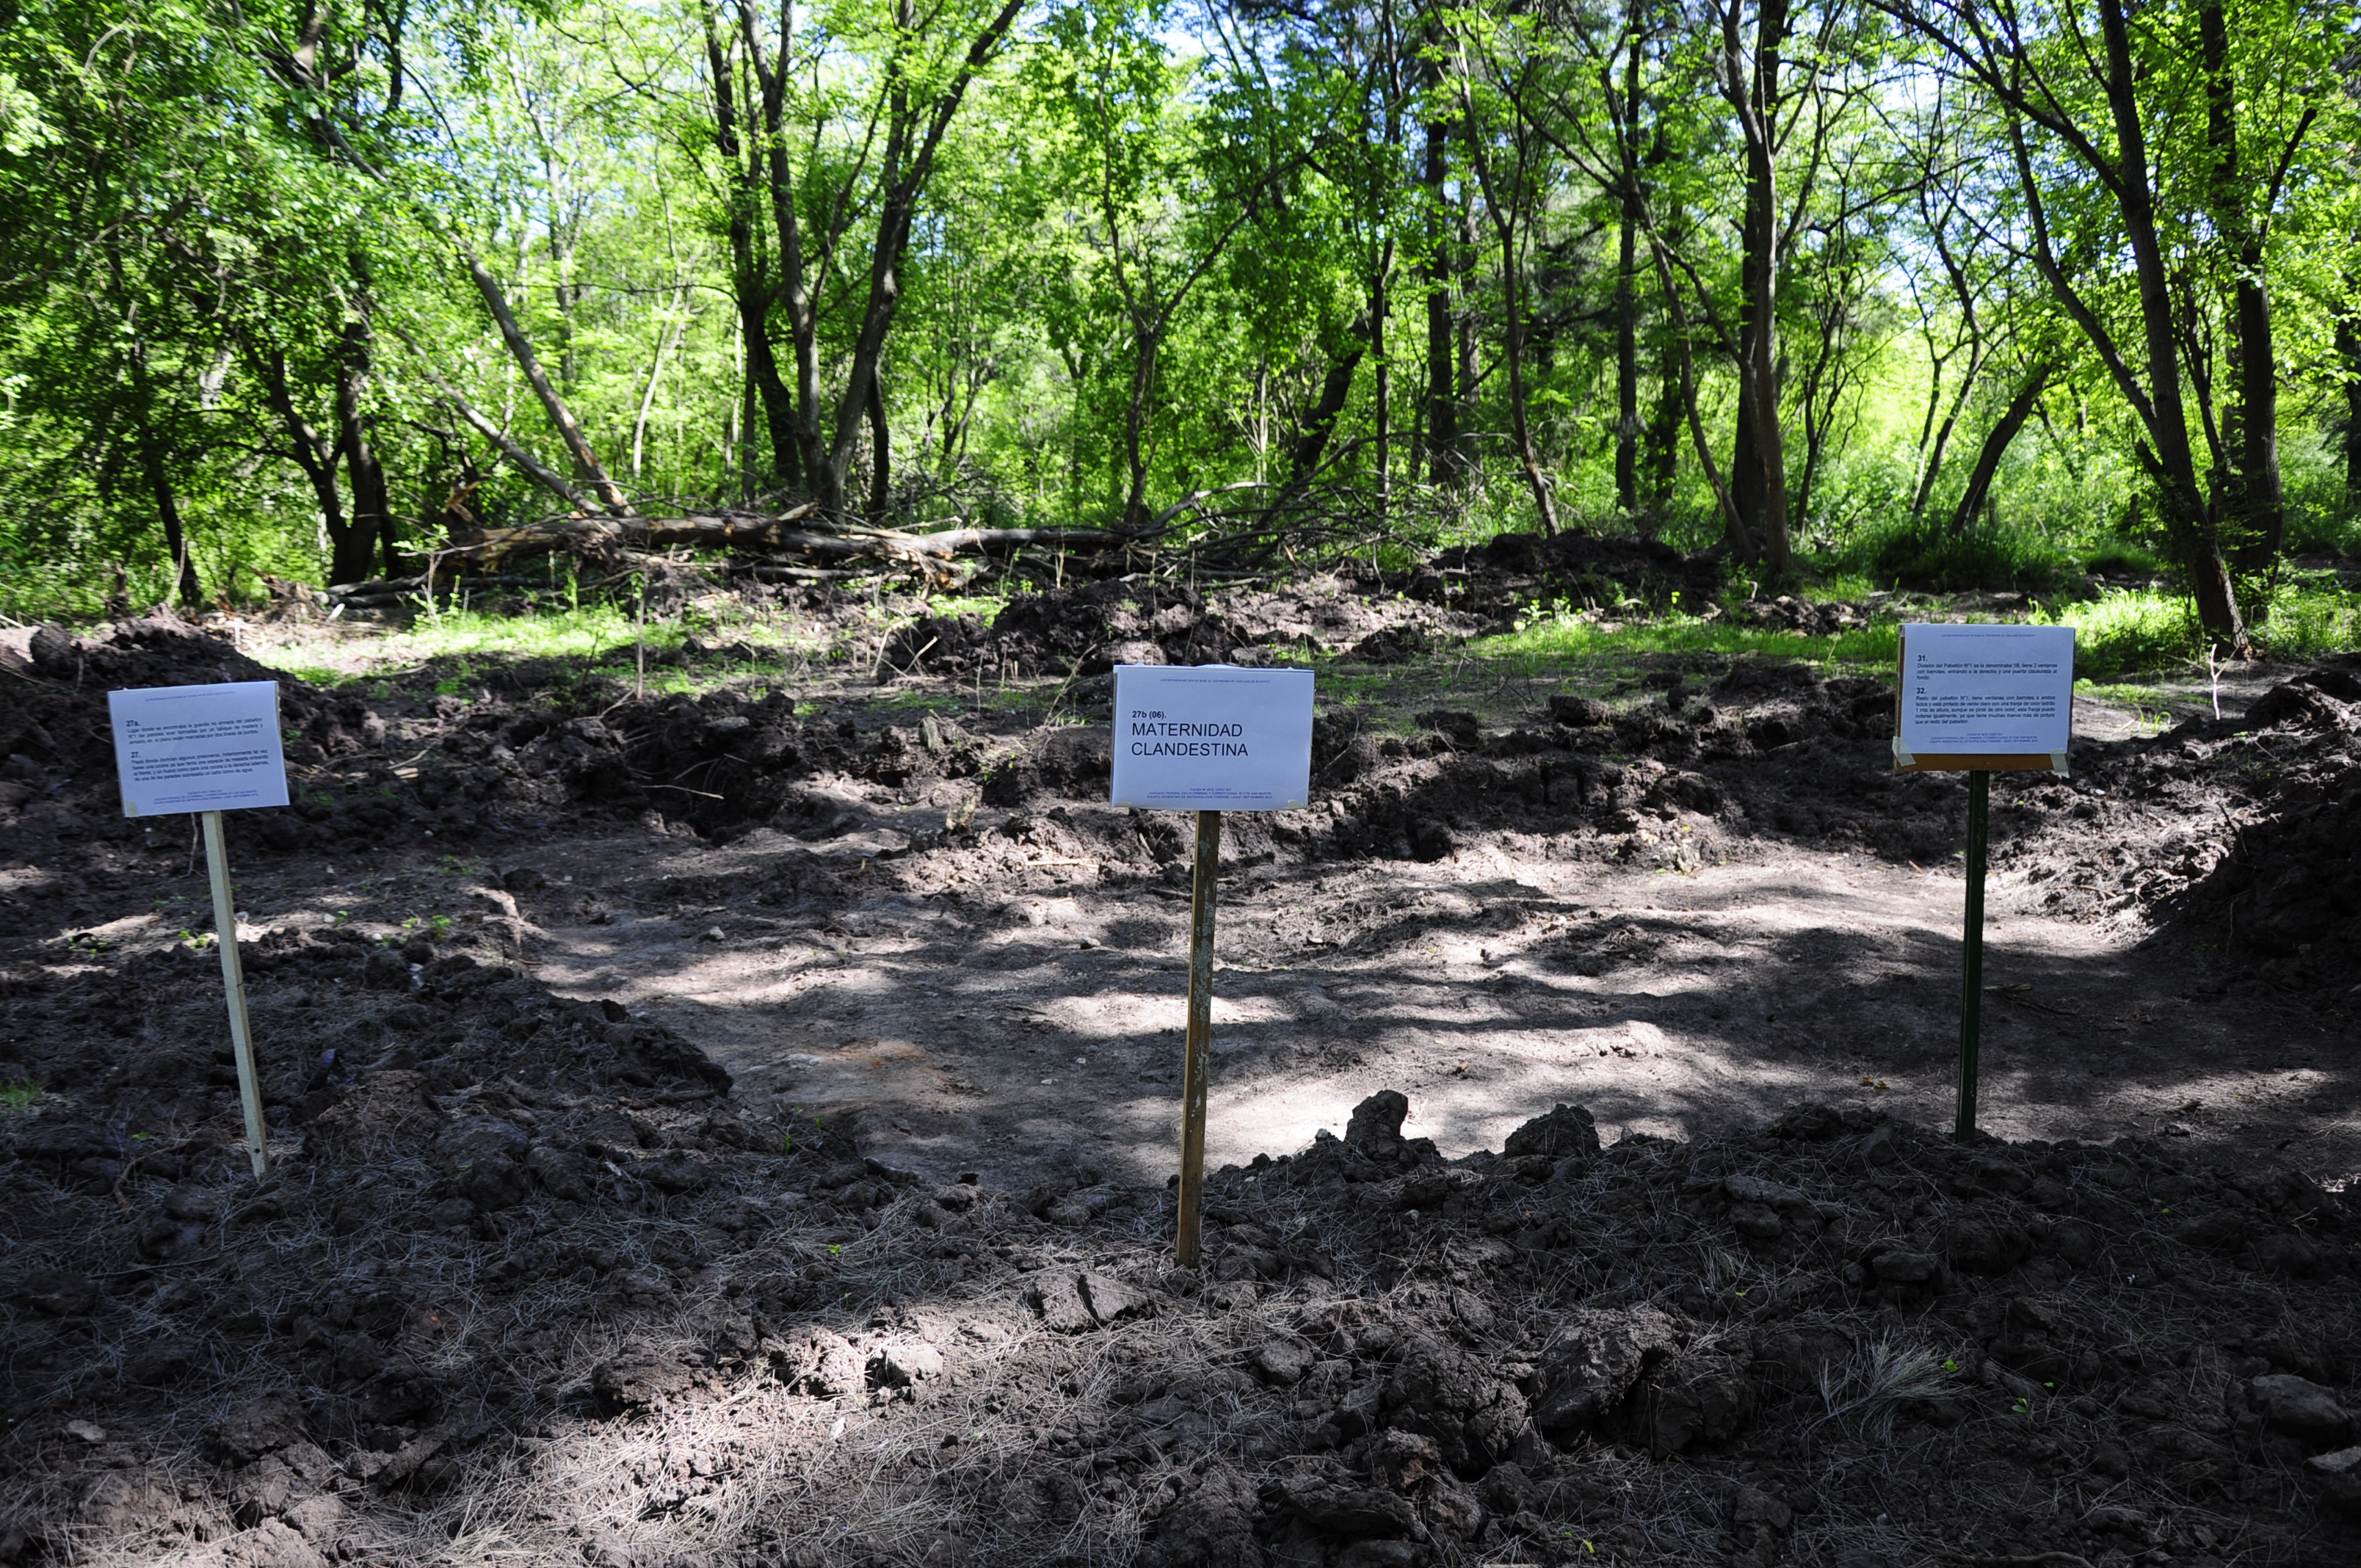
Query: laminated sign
{"points": [[180, 749], [207, 749], [1985, 698], [1211, 738]]}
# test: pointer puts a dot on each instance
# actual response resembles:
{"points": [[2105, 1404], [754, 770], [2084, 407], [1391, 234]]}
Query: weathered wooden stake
{"points": [[1971, 983], [1197, 1061], [241, 1037]]}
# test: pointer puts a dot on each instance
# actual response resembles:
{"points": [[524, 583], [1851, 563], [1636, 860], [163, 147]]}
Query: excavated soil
{"points": [[662, 1174]]}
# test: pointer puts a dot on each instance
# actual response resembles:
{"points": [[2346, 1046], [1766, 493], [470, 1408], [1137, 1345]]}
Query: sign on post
{"points": [[208, 749], [1985, 698], [1208, 738], [1982, 699]]}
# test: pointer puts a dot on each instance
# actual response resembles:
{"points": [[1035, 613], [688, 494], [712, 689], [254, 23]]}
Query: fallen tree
{"points": [[798, 543]]}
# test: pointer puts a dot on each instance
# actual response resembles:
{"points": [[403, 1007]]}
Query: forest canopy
{"points": [[306, 293]]}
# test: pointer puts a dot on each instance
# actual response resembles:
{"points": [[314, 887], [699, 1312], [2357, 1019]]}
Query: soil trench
{"points": [[732, 1129], [978, 1032]]}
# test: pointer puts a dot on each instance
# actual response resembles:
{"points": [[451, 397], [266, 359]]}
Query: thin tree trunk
{"points": [[1741, 545], [1443, 458], [2348, 355], [2187, 518], [168, 512], [1996, 445], [1319, 421], [910, 157], [2256, 515], [881, 455], [569, 431], [349, 549], [1663, 438], [665, 334], [1758, 463], [372, 516], [1378, 306], [751, 291], [1627, 293], [1513, 332]]}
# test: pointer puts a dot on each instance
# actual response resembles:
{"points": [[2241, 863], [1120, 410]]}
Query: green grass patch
{"points": [[2125, 629], [2145, 704], [984, 607], [2310, 620], [2128, 630], [1571, 637], [1928, 558], [21, 1096]]}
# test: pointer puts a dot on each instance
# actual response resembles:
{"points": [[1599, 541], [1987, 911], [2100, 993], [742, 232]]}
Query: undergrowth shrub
{"points": [[1926, 557]]}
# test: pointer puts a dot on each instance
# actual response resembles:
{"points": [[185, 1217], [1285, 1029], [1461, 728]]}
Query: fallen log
{"points": [[606, 539]]}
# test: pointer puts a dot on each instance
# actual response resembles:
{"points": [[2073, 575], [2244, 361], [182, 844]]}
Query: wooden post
{"points": [[1197, 1060], [1972, 992], [241, 1037]]}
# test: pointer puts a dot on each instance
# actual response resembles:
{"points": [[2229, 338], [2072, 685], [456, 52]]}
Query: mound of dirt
{"points": [[406, 770], [1496, 580], [1090, 628], [2244, 833], [527, 1260]]}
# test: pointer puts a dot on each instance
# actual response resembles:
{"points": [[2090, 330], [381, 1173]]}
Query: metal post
{"points": [[1971, 993], [1197, 1062], [241, 1037]]}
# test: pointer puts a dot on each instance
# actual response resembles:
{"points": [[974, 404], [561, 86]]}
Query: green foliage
{"points": [[1930, 559], [1248, 255], [1567, 636], [2127, 630]]}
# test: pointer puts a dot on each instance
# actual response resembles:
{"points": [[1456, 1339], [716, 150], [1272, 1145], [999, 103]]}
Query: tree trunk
{"points": [[2348, 355], [1757, 463], [587, 466], [1996, 444], [349, 549], [1378, 306], [372, 517], [1503, 206], [912, 141], [1135, 511], [1627, 292], [1663, 437], [1443, 459], [168, 512], [2188, 520], [2255, 519], [881, 455], [751, 291], [1319, 421]]}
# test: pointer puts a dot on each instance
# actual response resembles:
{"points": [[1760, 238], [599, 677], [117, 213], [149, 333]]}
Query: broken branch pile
{"points": [[800, 544]]}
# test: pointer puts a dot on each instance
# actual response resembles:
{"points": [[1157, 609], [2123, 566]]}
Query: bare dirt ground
{"points": [[681, 1099]]}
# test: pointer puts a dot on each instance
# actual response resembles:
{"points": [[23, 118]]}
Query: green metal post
{"points": [[1971, 993]]}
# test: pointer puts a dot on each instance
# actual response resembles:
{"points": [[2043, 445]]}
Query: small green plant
{"points": [[20, 1096]]}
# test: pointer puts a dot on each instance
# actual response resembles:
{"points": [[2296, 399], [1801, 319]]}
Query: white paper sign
{"points": [[1986, 690], [180, 749], [1211, 738]]}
